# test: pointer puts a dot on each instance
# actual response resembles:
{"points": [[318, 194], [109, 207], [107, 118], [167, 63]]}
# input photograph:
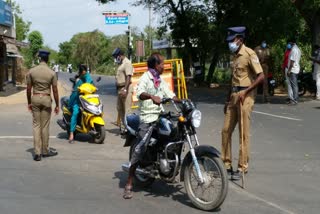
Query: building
{"points": [[8, 46]]}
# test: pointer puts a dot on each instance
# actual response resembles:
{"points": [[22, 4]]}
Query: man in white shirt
{"points": [[316, 69], [293, 71]]}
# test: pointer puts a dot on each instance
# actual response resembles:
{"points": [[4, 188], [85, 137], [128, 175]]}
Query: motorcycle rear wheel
{"points": [[140, 180], [211, 194]]}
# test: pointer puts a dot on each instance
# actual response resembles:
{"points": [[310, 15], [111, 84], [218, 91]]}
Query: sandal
{"points": [[127, 194], [71, 141]]}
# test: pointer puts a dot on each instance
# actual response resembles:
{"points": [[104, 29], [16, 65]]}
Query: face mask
{"points": [[264, 45], [289, 46], [233, 47]]}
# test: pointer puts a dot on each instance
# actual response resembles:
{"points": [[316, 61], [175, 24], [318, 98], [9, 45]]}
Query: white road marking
{"points": [[278, 116], [22, 137], [250, 195]]}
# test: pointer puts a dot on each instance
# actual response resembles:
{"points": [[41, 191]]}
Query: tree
{"points": [[310, 11], [36, 41], [89, 48]]}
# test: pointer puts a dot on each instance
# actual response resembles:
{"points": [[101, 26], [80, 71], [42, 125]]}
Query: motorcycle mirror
{"points": [[98, 79]]}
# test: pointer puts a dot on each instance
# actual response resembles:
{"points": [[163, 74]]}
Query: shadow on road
{"points": [[78, 137], [158, 189]]}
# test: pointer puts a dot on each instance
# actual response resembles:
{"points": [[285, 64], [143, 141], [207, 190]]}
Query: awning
{"points": [[12, 49]]}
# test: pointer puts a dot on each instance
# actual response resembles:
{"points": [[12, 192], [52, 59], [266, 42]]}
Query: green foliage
{"points": [[36, 41], [107, 69], [222, 76], [22, 26]]}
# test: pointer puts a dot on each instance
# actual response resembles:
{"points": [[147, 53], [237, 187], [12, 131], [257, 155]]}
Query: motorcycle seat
{"points": [[132, 122]]}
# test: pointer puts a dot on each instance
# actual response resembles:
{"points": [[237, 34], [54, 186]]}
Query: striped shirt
{"points": [[149, 112]]}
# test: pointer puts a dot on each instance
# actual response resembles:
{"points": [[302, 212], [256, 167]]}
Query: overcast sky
{"points": [[59, 20]]}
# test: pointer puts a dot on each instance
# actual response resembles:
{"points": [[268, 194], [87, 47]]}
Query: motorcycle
{"points": [[90, 120], [201, 169], [306, 83]]}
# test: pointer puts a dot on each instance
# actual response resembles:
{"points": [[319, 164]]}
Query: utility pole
{"points": [[150, 32]]}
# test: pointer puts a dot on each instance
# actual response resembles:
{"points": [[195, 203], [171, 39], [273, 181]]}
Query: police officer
{"points": [[123, 83], [263, 53], [40, 80], [246, 75]]}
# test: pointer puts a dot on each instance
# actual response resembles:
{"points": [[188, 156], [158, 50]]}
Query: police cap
{"points": [[116, 52], [236, 31], [43, 53]]}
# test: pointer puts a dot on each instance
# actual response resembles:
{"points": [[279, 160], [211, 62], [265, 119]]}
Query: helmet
{"points": [[116, 52]]}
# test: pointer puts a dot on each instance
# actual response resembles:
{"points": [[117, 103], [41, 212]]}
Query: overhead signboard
{"points": [[5, 14], [161, 44], [116, 18]]}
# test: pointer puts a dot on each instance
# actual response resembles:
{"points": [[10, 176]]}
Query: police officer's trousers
{"points": [[41, 112], [232, 117], [124, 104]]}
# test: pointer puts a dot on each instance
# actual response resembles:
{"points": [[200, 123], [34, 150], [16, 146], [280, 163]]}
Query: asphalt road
{"points": [[87, 178]]}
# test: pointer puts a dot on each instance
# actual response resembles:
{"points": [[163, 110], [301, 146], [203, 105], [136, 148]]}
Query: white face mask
{"points": [[118, 60], [233, 47]]}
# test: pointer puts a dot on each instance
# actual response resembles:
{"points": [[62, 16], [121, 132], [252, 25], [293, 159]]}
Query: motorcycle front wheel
{"points": [[211, 194], [101, 134]]}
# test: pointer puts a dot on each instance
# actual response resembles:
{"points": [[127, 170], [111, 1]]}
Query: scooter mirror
{"points": [[98, 79]]}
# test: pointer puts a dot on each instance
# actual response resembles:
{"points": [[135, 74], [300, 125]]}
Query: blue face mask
{"points": [[233, 47], [264, 45], [289, 46]]}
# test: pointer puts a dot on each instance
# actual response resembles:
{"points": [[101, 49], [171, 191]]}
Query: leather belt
{"points": [[236, 89], [41, 94], [120, 86]]}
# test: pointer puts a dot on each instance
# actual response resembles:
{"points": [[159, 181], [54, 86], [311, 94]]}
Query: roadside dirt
{"points": [[17, 95]]}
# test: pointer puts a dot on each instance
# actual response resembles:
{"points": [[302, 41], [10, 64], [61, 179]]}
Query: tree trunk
{"points": [[212, 67], [316, 29]]}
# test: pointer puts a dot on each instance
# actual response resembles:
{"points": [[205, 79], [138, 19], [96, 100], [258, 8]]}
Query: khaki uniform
{"points": [[245, 68], [264, 58], [41, 78], [124, 103]]}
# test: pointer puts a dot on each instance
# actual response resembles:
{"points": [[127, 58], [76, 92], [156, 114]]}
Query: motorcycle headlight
{"points": [[196, 118], [94, 109]]}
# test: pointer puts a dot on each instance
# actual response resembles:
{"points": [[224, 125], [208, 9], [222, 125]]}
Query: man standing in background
{"points": [[263, 53], [316, 69], [293, 71]]}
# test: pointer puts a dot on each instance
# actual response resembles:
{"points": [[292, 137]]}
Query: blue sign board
{"points": [[117, 19], [5, 14]]}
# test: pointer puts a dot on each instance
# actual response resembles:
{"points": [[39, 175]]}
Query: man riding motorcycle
{"points": [[151, 89], [82, 77]]}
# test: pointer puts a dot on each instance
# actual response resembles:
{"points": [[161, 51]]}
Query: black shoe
{"points": [[229, 173], [51, 153], [292, 103], [37, 157], [237, 175]]}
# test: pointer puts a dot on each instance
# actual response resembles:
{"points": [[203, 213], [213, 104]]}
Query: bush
{"points": [[106, 69], [222, 76]]}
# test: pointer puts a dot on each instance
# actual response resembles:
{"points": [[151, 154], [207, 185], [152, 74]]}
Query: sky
{"points": [[59, 20]]}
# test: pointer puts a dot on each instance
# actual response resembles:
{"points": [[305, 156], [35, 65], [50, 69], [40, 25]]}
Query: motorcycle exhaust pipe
{"points": [[126, 167]]}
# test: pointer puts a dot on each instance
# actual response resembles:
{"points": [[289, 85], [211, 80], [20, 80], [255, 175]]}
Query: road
{"points": [[87, 178]]}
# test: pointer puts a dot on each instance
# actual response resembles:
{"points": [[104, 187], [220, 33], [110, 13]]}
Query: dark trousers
{"points": [[293, 81], [144, 135]]}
